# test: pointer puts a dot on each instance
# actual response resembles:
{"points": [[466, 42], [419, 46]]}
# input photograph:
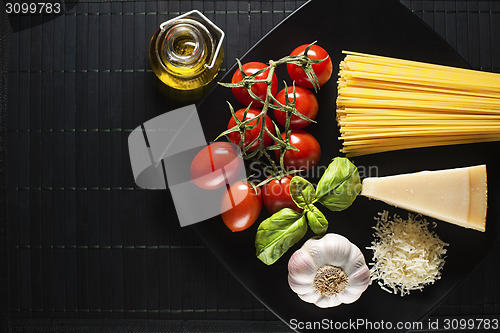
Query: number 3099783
{"points": [[32, 8]]}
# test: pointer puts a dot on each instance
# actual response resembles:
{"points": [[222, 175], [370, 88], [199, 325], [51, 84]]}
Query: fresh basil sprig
{"points": [[337, 189]]}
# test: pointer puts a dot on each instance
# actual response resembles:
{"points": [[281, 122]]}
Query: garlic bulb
{"points": [[328, 271]]}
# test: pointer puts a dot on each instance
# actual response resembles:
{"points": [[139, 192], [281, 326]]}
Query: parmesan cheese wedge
{"points": [[458, 196]]}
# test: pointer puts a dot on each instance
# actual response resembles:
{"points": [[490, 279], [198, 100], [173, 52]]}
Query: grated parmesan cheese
{"points": [[406, 255]]}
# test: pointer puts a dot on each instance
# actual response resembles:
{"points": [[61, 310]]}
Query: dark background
{"points": [[82, 247]]}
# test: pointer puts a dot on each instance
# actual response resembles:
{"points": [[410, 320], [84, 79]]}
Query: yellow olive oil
{"points": [[186, 52]]}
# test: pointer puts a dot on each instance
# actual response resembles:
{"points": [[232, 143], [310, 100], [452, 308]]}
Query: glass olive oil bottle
{"points": [[186, 52]]}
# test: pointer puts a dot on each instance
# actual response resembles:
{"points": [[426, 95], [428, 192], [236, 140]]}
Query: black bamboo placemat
{"points": [[82, 247]]}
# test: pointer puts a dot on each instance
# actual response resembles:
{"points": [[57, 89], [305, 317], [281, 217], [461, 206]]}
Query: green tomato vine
{"points": [[270, 102]]}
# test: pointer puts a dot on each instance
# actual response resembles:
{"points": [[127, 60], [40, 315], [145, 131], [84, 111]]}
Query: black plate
{"points": [[378, 27]]}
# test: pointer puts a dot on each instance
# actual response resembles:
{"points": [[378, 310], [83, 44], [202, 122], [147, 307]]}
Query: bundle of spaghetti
{"points": [[387, 104]]}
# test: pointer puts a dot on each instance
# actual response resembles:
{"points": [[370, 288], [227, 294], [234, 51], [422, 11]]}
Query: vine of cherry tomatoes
{"points": [[240, 214]]}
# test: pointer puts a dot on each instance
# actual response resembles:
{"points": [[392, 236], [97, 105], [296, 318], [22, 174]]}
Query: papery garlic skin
{"points": [[330, 250]]}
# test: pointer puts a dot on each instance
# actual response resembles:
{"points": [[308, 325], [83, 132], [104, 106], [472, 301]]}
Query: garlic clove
{"points": [[337, 250], [360, 278], [310, 297], [355, 262], [351, 294], [301, 267], [314, 249], [331, 249], [328, 302], [300, 286]]}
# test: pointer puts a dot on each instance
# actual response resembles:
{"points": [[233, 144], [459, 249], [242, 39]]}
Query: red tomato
{"points": [[276, 195], [308, 155], [305, 103], [253, 133], [323, 70], [240, 206], [216, 165], [259, 89]]}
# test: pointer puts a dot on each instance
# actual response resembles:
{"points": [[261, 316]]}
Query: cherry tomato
{"points": [[259, 89], [308, 155], [240, 206], [216, 165], [323, 70], [253, 133], [276, 195], [305, 103]]}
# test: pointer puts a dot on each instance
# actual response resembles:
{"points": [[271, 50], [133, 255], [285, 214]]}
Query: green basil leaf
{"points": [[317, 221], [339, 185], [344, 195], [302, 191], [278, 233], [337, 172]]}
